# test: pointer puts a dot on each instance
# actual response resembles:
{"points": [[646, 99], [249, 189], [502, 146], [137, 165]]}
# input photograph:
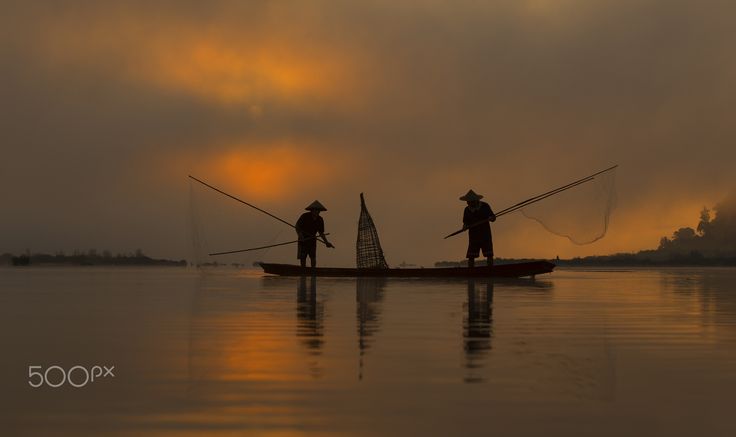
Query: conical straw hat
{"points": [[316, 205], [471, 195]]}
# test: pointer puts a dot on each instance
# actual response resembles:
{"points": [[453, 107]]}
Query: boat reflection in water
{"points": [[224, 352], [508, 336], [311, 314]]}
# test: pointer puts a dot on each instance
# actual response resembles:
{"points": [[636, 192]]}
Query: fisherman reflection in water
{"points": [[478, 328], [476, 220], [307, 227]]}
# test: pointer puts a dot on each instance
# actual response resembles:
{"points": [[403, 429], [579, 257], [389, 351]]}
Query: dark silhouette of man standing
{"points": [[307, 227], [476, 219]]}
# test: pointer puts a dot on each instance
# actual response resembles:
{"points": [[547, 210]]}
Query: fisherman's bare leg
{"points": [[490, 261], [303, 261], [313, 261]]}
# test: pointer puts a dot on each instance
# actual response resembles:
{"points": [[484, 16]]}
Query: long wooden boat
{"points": [[517, 270]]}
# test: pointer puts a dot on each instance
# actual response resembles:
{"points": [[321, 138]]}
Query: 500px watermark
{"points": [[77, 376]]}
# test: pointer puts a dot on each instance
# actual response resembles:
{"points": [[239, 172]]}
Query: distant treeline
{"points": [[648, 258], [90, 258], [711, 243]]}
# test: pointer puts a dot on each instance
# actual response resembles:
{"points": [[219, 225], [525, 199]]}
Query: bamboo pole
{"points": [[242, 201], [263, 247], [535, 199]]}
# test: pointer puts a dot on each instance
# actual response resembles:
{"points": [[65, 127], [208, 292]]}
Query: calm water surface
{"points": [[230, 352]]}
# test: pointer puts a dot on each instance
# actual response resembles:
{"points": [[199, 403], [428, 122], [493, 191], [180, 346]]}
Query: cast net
{"points": [[580, 213], [220, 224], [369, 254]]}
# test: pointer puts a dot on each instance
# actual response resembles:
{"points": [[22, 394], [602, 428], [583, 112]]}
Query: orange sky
{"points": [[412, 105]]}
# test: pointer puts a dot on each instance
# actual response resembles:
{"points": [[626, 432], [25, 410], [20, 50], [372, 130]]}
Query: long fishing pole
{"points": [[543, 195], [540, 197], [241, 201], [536, 199], [551, 192], [555, 191], [522, 204], [263, 247], [246, 203]]}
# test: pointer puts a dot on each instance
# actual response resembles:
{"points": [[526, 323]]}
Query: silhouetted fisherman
{"points": [[476, 219], [307, 227]]}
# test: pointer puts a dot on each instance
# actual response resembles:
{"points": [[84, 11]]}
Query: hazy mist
{"points": [[108, 106]]}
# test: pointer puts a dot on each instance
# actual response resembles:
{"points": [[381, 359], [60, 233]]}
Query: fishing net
{"points": [[580, 213], [197, 237], [369, 254], [219, 224]]}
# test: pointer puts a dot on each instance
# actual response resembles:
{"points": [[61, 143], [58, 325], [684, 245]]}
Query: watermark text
{"points": [[77, 376]]}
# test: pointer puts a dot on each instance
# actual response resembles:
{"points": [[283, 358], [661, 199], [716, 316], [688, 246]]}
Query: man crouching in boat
{"points": [[307, 227], [476, 220]]}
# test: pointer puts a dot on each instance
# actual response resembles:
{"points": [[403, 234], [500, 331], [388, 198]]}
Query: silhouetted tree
{"points": [[715, 236], [704, 223], [684, 235]]}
